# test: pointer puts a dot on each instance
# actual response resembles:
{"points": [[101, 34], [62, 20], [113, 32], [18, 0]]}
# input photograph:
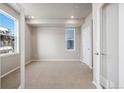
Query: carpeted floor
{"points": [[11, 81], [58, 75]]}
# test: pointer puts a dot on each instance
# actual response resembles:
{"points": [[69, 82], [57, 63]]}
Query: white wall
{"points": [[86, 41], [121, 46], [9, 63], [28, 46], [49, 43]]}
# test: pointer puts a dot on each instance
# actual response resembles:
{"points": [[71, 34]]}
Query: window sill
{"points": [[70, 50], [8, 54]]}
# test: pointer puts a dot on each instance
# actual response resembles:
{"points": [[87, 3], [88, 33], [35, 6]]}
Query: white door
{"points": [[87, 45], [109, 46]]}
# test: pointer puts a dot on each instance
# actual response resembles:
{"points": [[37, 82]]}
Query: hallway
{"points": [[58, 75]]}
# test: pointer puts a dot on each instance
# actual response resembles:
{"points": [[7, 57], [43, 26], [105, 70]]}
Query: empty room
{"points": [[61, 46]]}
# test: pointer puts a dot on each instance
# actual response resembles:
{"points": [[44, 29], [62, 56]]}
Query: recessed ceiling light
{"points": [[32, 17], [72, 16]]}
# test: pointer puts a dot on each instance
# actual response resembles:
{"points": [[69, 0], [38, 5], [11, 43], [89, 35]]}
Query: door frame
{"points": [[22, 45], [98, 29]]}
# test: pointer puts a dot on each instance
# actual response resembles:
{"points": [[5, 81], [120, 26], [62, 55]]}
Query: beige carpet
{"points": [[11, 81], [58, 75]]}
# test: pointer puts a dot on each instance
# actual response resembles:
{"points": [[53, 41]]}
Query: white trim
{"points": [[96, 73], [104, 82], [22, 46], [9, 72], [8, 54], [19, 87], [29, 61], [121, 47], [89, 65], [55, 60], [97, 86], [7, 14], [94, 83]]}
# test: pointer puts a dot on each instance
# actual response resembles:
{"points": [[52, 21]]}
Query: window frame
{"points": [[67, 29], [16, 30]]}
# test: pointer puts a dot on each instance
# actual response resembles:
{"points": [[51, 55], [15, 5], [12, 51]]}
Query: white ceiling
{"points": [[57, 10]]}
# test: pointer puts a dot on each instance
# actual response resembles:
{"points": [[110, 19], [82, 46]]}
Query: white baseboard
{"points": [[104, 82], [90, 67], [19, 87], [10, 72], [14, 69], [38, 60], [94, 83], [97, 86], [29, 61], [108, 84], [86, 64]]}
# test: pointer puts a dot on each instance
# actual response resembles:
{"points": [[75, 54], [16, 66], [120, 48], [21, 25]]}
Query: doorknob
{"points": [[97, 53], [103, 54]]}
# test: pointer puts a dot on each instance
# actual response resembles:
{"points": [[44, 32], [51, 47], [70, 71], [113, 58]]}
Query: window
{"points": [[8, 33], [70, 38]]}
